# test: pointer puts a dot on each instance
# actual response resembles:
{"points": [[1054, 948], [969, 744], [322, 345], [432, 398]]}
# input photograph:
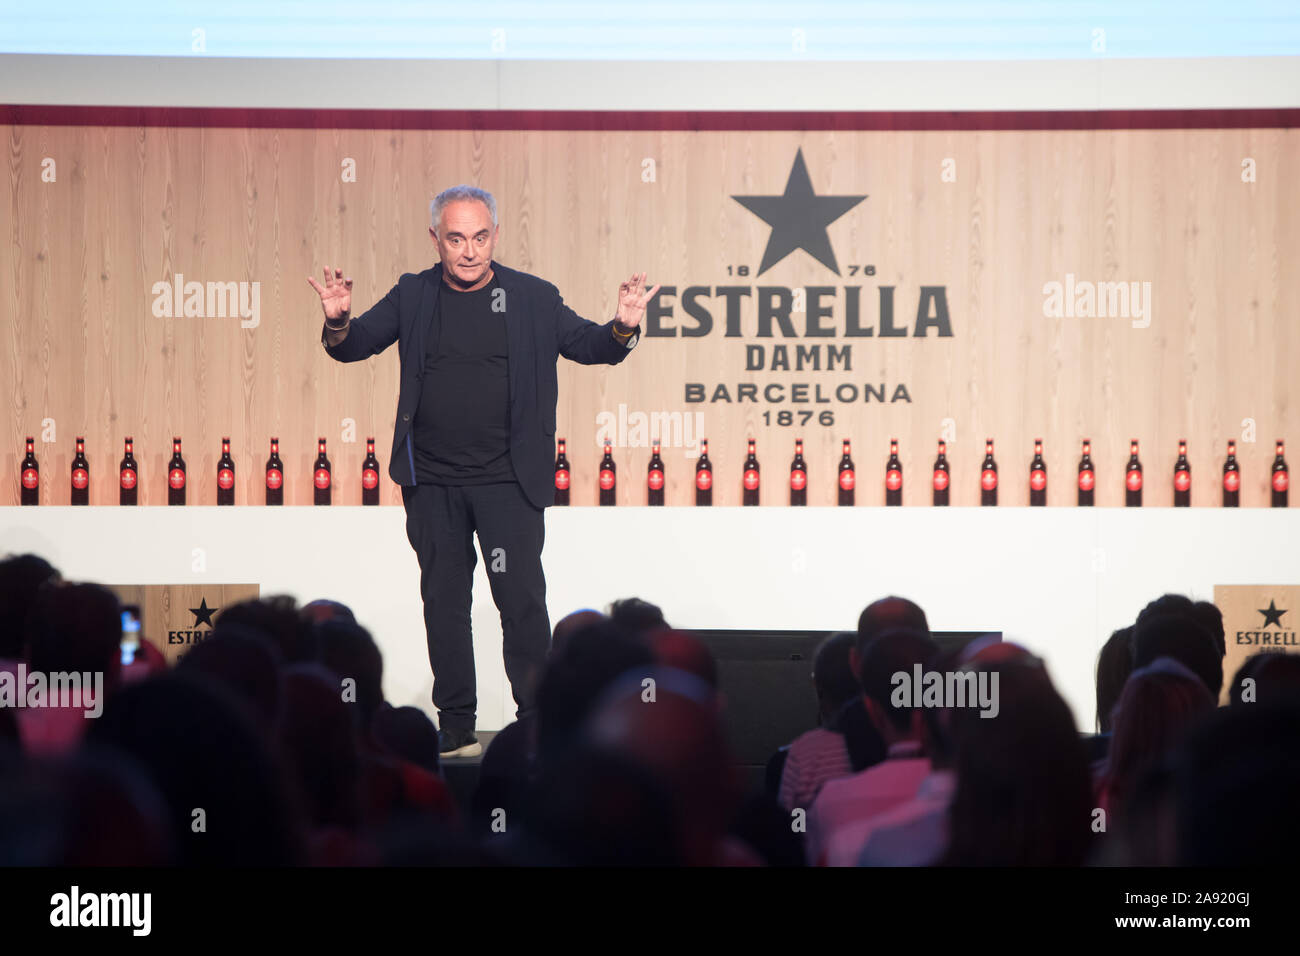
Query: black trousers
{"points": [[440, 524]]}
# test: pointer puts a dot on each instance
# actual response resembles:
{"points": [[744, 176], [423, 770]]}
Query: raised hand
{"points": [[632, 301], [335, 295]]}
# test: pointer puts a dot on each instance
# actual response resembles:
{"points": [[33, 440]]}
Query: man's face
{"points": [[465, 238]]}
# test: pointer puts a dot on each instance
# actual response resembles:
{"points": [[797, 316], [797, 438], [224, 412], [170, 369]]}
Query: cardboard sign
{"points": [[1256, 618], [175, 617]]}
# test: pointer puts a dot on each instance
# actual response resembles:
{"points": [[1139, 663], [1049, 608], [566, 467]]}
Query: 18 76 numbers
{"points": [[786, 417]]}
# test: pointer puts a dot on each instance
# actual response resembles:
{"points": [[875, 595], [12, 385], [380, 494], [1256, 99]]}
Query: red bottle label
{"points": [[273, 478], [1231, 480], [322, 478], [988, 479], [655, 479], [751, 479], [225, 479], [562, 478], [128, 479], [798, 479], [704, 480], [847, 479], [31, 478], [1280, 481], [1182, 481], [1086, 480], [606, 479], [893, 480], [940, 480], [1133, 480], [79, 478], [176, 478], [369, 478], [1038, 480]]}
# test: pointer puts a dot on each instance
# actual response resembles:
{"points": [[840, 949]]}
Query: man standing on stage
{"points": [[475, 439]]}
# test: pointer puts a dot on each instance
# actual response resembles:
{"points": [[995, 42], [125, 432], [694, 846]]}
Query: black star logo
{"points": [[1271, 614], [799, 218], [203, 613]]}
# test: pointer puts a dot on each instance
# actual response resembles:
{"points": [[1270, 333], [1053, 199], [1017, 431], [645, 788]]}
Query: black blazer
{"points": [[539, 329]]}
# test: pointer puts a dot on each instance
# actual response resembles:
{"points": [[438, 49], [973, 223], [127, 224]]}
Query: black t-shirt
{"points": [[462, 426]]}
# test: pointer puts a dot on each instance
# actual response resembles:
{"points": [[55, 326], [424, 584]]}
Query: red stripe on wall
{"points": [[597, 120]]}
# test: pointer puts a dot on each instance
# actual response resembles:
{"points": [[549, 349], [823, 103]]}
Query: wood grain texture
{"points": [[166, 619], [135, 205]]}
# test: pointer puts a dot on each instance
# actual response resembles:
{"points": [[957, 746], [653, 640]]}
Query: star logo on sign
{"points": [[203, 613], [1271, 614], [799, 218]]}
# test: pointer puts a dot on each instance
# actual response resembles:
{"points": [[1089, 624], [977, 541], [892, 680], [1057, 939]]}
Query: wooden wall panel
{"points": [[133, 206]]}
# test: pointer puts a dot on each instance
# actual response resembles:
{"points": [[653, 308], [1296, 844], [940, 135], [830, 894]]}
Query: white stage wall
{"points": [[1058, 580]]}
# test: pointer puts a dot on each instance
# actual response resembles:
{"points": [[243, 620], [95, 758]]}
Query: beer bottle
{"points": [[176, 475], [274, 475], [893, 476], [1133, 478], [940, 478], [1231, 478], [80, 475], [225, 475], [608, 476], [31, 476], [1038, 477], [847, 479], [704, 476], [798, 476], [322, 476], [989, 476], [128, 477], [750, 496], [1182, 478], [561, 476], [1281, 479], [655, 477], [1087, 476], [370, 475]]}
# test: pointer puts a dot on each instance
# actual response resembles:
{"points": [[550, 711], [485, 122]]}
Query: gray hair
{"points": [[457, 193]]}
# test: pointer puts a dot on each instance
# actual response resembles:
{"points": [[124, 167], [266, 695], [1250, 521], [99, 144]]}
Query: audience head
{"points": [[685, 652], [20, 578], [573, 680], [678, 739], [318, 742], [406, 733], [832, 674], [594, 806], [1236, 778], [570, 624], [895, 651], [226, 801], [76, 627], [1024, 793], [888, 613], [1114, 664], [1274, 677], [95, 808], [246, 664], [1211, 618], [322, 610], [636, 616], [347, 649], [278, 621], [1160, 703], [1178, 635]]}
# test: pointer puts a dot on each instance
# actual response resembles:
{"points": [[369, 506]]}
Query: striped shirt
{"points": [[814, 757]]}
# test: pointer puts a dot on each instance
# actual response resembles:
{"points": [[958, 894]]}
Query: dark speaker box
{"points": [[766, 677]]}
